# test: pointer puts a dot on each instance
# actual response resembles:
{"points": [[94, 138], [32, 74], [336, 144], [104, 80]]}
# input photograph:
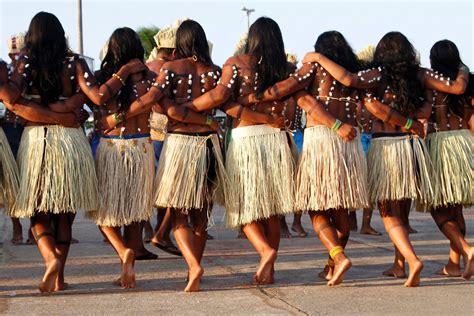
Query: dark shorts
{"points": [[13, 133]]}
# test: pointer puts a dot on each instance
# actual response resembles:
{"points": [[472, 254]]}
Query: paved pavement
{"points": [[230, 263]]}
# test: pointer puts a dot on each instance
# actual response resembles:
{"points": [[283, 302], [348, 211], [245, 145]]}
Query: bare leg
{"points": [[297, 227], [284, 231], [17, 237], [271, 228], [241, 234], [399, 236], [268, 255], [146, 227], [328, 235], [132, 236], [405, 215], [46, 246], [63, 235], [366, 229], [398, 268], [449, 227], [127, 255], [31, 238], [200, 232], [184, 236], [353, 221]]}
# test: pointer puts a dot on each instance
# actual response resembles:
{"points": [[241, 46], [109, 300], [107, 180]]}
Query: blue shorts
{"points": [[298, 137], [94, 144], [365, 139]]}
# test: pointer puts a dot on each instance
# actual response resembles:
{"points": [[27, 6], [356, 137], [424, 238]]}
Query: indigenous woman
{"points": [[450, 144], [9, 175], [191, 164], [259, 160], [331, 176], [57, 174]]}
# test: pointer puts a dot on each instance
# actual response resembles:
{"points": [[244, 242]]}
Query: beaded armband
{"points": [[302, 77]]}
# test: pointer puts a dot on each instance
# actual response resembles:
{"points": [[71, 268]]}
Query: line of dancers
{"points": [[419, 122]]}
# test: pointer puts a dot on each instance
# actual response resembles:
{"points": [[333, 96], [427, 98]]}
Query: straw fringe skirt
{"points": [[9, 175], [182, 180], [399, 168], [57, 173], [261, 170], [332, 174], [452, 153], [125, 171]]}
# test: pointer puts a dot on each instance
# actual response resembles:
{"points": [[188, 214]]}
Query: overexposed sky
{"points": [[361, 22]]}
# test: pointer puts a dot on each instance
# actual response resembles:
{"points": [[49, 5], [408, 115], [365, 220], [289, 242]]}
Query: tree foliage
{"points": [[146, 36]]}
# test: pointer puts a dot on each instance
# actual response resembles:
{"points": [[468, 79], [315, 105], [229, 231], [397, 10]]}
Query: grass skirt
{"points": [[125, 171], [399, 168], [182, 180], [332, 173], [9, 175], [452, 154], [57, 173], [261, 169]]}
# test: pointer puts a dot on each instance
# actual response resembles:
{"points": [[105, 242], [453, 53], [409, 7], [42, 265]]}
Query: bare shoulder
{"points": [[155, 65]]}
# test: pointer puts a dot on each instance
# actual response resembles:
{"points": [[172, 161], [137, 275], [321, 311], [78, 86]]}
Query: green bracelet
{"points": [[337, 125], [408, 124], [117, 118], [209, 120]]}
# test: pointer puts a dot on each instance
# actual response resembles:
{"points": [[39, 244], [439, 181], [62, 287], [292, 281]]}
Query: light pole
{"points": [[248, 11], [80, 47]]}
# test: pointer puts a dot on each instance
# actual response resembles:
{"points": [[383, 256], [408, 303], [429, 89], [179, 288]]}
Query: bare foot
{"points": [[264, 273], [194, 276], [395, 271], [468, 265], [339, 271], [450, 270], [414, 275], [128, 273], [285, 233], [327, 273], [61, 286], [369, 231], [48, 283], [411, 230], [299, 230]]}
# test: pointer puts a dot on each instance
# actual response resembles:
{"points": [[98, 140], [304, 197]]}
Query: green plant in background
{"points": [[146, 36]]}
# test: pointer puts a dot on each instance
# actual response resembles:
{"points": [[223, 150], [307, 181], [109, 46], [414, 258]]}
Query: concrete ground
{"points": [[226, 288]]}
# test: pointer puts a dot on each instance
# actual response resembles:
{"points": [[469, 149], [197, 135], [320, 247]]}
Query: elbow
{"points": [[175, 113]]}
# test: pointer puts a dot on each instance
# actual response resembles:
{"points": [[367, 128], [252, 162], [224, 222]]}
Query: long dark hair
{"points": [[400, 70], [444, 57], [191, 41], [124, 45], [265, 43], [334, 46], [46, 47]]}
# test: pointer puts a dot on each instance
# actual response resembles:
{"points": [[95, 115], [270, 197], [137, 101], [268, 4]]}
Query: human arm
{"points": [[391, 116], [33, 112], [220, 94], [183, 114], [69, 105], [157, 90], [316, 111], [437, 82], [295, 82], [103, 93], [361, 80], [245, 113]]}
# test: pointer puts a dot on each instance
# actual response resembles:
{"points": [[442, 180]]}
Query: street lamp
{"points": [[248, 11]]}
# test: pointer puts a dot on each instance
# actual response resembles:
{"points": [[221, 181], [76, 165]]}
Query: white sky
{"points": [[361, 22]]}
